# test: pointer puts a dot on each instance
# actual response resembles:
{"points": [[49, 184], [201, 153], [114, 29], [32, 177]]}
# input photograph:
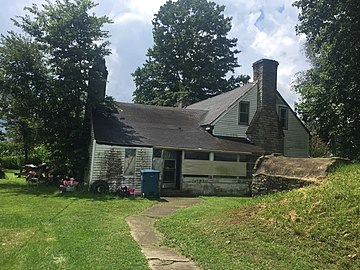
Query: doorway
{"points": [[169, 173], [171, 170]]}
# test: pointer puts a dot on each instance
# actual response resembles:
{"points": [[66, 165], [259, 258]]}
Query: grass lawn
{"points": [[317, 227], [42, 229]]}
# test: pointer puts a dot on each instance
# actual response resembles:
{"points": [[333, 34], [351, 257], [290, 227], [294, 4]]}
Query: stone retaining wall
{"points": [[279, 173], [264, 184]]}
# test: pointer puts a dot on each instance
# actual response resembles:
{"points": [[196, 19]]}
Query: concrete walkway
{"points": [[143, 231]]}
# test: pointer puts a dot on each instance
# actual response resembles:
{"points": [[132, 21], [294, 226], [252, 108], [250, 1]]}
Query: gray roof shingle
{"points": [[155, 126], [220, 103]]}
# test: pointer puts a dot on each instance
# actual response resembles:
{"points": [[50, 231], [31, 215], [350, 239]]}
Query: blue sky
{"points": [[265, 29]]}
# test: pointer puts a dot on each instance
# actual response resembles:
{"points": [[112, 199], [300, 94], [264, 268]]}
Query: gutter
{"points": [[92, 161]]}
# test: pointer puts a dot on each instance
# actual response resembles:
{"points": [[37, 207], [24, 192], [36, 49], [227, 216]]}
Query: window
{"points": [[197, 155], [244, 112], [157, 153], [283, 117], [129, 162], [244, 158], [225, 157]]}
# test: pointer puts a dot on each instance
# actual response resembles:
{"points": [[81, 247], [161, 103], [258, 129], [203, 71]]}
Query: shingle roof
{"points": [[145, 125], [220, 103]]}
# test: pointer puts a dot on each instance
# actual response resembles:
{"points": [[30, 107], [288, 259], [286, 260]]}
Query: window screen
{"points": [[225, 157], [197, 155], [157, 153]]}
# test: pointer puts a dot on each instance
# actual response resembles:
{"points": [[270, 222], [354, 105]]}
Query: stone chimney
{"points": [[265, 129], [265, 74], [96, 87], [97, 82]]}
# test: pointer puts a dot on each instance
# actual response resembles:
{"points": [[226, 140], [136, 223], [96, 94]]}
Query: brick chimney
{"points": [[265, 129]]}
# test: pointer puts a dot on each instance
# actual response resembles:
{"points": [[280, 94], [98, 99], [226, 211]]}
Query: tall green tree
{"points": [[191, 57], [70, 39], [23, 80], [330, 90]]}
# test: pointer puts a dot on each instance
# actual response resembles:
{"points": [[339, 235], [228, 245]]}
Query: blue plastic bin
{"points": [[150, 183]]}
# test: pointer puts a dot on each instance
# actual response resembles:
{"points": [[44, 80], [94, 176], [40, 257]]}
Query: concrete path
{"points": [[143, 231]]}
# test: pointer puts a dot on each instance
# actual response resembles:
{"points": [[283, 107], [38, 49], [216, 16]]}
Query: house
{"points": [[209, 148]]}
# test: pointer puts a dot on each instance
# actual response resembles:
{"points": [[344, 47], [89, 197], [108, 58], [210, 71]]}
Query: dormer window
{"points": [[283, 117], [244, 112]]}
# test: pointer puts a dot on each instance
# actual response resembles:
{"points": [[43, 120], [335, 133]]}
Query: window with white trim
{"points": [[244, 107]]}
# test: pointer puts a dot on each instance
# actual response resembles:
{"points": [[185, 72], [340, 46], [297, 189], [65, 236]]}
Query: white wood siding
{"points": [[296, 141], [208, 167], [108, 165], [227, 124]]}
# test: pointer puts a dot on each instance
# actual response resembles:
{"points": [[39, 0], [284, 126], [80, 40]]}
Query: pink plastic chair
{"points": [[132, 191]]}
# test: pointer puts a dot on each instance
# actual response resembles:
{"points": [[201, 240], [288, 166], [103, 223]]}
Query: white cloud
{"points": [[134, 10], [127, 17], [146, 8], [264, 45], [265, 29]]}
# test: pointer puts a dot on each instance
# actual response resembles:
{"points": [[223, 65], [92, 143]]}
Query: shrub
{"points": [[11, 162], [318, 148], [15, 162], [10, 149]]}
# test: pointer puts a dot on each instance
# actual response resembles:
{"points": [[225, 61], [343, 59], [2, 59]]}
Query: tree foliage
{"points": [[330, 90], [191, 56], [63, 41], [23, 79]]}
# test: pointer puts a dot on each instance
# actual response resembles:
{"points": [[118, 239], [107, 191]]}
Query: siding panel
{"points": [[206, 167], [108, 165], [228, 125], [296, 140]]}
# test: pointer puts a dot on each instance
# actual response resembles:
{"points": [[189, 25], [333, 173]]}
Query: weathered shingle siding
{"points": [[296, 141], [227, 124], [108, 165]]}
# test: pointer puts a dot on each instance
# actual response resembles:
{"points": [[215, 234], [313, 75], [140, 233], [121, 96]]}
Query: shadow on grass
{"points": [[43, 190]]}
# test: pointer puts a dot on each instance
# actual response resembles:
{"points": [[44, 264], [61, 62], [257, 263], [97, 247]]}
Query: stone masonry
{"points": [[265, 129], [278, 173]]}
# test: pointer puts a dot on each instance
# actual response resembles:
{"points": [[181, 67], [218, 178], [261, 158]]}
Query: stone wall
{"points": [[279, 173], [265, 184], [265, 131]]}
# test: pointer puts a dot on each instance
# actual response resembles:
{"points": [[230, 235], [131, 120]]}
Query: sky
{"points": [[264, 29]]}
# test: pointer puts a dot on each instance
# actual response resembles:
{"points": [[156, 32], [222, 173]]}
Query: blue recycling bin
{"points": [[150, 183]]}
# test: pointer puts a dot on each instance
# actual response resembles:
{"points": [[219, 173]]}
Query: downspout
{"points": [[92, 162]]}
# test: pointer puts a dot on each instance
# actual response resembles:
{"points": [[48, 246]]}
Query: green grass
{"points": [[317, 227], [42, 229]]}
